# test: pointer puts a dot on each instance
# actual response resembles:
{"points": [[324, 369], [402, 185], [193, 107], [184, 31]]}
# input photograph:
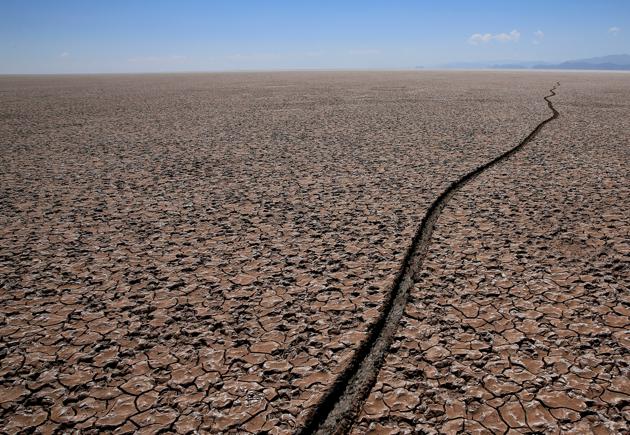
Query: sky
{"points": [[110, 36]]}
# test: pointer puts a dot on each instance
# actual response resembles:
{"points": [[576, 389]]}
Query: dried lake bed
{"points": [[212, 252]]}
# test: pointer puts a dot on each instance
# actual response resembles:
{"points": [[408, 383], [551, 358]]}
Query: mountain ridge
{"points": [[610, 62], [613, 62]]}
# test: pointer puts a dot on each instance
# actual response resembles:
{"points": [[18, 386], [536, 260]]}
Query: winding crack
{"points": [[337, 410]]}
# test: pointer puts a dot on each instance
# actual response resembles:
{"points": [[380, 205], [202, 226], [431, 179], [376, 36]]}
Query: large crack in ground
{"points": [[337, 410]]}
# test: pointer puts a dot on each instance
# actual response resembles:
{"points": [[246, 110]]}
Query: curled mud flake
{"points": [[401, 400], [244, 279], [25, 420], [264, 347], [137, 385], [375, 406], [118, 411], [12, 393], [513, 414], [560, 399], [155, 418]]}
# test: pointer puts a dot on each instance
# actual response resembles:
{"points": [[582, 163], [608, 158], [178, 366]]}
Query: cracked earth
{"points": [[519, 323], [206, 253]]}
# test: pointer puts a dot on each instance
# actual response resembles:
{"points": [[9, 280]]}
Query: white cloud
{"points": [[539, 35], [64, 54], [478, 38], [614, 30], [514, 35]]}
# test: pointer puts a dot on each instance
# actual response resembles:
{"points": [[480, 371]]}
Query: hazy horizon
{"points": [[39, 37]]}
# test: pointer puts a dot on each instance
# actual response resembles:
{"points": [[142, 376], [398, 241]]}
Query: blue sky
{"points": [[69, 36]]}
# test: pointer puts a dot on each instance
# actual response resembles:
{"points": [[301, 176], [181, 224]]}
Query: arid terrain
{"points": [[216, 253]]}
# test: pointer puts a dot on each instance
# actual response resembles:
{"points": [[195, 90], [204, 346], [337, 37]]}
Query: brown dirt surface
{"points": [[206, 252], [519, 323]]}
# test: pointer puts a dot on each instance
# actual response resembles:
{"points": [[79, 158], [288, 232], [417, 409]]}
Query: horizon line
{"points": [[315, 69]]}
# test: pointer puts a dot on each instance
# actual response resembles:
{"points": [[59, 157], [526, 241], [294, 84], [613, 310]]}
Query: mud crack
{"points": [[337, 410]]}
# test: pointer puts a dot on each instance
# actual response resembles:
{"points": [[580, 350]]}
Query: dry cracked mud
{"points": [[207, 252], [519, 321]]}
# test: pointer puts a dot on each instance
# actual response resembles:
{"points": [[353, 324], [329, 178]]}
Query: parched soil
{"points": [[208, 252], [519, 322]]}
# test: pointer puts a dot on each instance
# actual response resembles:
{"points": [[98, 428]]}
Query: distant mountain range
{"points": [[616, 62], [612, 62]]}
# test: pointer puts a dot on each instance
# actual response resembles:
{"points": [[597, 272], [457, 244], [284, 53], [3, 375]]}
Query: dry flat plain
{"points": [[211, 252]]}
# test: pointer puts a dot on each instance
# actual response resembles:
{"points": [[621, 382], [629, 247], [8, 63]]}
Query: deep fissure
{"points": [[336, 412]]}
